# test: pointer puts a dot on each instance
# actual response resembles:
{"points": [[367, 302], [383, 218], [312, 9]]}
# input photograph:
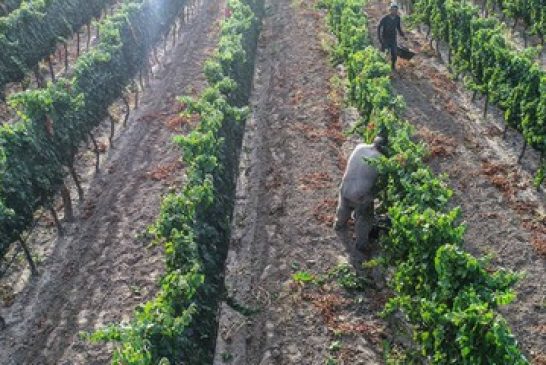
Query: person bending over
{"points": [[358, 189], [386, 32]]}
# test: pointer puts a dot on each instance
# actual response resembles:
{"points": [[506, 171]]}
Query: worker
{"points": [[358, 189], [386, 32]]}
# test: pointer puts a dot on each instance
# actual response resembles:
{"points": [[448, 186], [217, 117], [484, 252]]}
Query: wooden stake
{"points": [[97, 153], [77, 44], [523, 150], [65, 57], [127, 110], [88, 36], [67, 202], [112, 130], [51, 71]]}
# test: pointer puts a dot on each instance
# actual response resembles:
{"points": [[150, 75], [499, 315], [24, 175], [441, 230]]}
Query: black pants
{"points": [[393, 49]]}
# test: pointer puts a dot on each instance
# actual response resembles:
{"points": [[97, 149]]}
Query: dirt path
{"points": [[505, 216], [292, 162], [101, 270]]}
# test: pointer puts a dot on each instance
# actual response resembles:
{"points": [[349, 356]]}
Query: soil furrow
{"points": [[283, 216]]}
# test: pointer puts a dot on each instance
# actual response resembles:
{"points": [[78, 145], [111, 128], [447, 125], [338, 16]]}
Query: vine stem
{"points": [[523, 150], [97, 153], [74, 175], [28, 257]]}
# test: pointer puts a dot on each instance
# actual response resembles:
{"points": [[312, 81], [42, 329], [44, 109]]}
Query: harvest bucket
{"points": [[405, 53]]}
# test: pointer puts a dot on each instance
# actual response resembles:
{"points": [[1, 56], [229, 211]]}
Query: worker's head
{"points": [[394, 8], [380, 143]]}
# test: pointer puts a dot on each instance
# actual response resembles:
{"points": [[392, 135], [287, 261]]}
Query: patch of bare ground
{"points": [[505, 216], [103, 267]]}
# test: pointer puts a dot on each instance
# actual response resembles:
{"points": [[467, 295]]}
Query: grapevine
{"points": [[177, 325], [31, 33], [38, 150], [448, 296]]}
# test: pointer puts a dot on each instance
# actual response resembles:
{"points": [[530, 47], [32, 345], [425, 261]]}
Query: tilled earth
{"points": [[293, 159]]}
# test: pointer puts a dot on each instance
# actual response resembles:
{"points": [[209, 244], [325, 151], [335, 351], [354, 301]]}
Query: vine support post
{"points": [[65, 57], [137, 94], [148, 71], [39, 79], [97, 153], [474, 94], [67, 202], [77, 44], [486, 106], [523, 150], [182, 20], [88, 26], [51, 71], [112, 129], [156, 59], [28, 256], [127, 110]]}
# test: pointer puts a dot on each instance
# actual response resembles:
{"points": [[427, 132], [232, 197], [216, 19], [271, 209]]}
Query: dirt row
{"points": [[292, 161], [103, 266]]}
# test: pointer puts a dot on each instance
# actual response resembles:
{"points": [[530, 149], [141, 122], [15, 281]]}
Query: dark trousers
{"points": [[393, 49]]}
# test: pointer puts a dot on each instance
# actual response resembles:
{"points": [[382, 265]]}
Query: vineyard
{"points": [[205, 142]]}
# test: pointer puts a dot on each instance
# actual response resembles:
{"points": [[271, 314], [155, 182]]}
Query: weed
{"points": [[303, 277]]}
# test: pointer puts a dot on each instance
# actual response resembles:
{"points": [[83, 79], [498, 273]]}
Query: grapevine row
{"points": [[8, 6], [531, 12], [31, 33], [37, 152], [448, 296], [179, 324], [506, 77]]}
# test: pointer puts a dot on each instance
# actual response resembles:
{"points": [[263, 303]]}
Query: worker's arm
{"points": [[379, 27], [399, 27]]}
